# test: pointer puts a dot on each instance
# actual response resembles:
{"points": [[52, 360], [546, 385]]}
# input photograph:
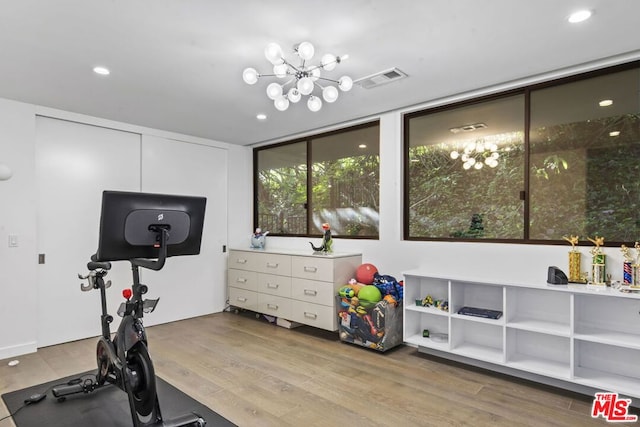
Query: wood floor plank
{"points": [[257, 374]]}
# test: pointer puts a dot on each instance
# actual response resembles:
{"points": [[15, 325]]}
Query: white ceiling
{"points": [[176, 65]]}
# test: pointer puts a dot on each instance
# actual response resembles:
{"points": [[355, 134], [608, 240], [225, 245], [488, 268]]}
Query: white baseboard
{"points": [[18, 350]]}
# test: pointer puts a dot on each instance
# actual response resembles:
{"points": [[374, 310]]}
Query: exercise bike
{"points": [[124, 361]]}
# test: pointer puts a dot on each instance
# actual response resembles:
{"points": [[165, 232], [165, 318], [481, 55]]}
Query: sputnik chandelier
{"points": [[476, 154], [302, 80]]}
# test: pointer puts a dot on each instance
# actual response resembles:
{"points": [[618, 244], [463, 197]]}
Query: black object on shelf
{"points": [[555, 276], [480, 312]]}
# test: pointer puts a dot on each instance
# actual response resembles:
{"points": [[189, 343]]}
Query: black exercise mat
{"points": [[105, 407]]}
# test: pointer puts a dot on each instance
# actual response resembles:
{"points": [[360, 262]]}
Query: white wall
{"points": [[18, 298], [18, 214]]}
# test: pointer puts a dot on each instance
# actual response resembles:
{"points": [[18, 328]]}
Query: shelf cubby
{"points": [[544, 311], [479, 340], [612, 368], [538, 353], [420, 287], [473, 294], [415, 322], [608, 320]]}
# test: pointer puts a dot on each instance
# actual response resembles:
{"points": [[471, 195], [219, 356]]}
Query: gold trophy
{"points": [[574, 260], [598, 261]]}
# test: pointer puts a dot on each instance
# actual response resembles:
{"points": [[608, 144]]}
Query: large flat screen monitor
{"points": [[129, 224]]}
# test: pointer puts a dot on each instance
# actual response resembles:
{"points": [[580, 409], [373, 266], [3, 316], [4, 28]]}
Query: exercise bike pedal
{"points": [[187, 420]]}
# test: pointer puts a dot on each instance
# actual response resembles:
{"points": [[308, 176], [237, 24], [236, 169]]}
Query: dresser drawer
{"points": [[243, 279], [313, 291], [243, 299], [274, 264], [319, 316], [274, 306], [313, 268], [243, 260], [274, 285]]}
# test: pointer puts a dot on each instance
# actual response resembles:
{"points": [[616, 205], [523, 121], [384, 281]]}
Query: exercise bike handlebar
{"points": [[157, 264]]}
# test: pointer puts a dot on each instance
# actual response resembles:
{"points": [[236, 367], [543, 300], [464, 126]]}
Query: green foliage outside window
{"points": [[343, 178], [583, 155]]}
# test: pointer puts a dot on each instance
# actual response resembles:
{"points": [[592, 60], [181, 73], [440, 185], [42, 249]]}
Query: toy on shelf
{"points": [[327, 241], [259, 239], [428, 301]]}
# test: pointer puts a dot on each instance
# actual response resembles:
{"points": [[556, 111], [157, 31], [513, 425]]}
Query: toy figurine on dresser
{"points": [[327, 241], [259, 239]]}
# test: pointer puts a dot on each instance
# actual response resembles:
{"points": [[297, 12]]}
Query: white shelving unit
{"points": [[574, 336]]}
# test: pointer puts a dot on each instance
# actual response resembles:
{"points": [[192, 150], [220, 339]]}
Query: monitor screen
{"points": [[129, 224]]}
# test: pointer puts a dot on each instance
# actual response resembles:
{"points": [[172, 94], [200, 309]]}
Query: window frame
{"points": [[308, 206], [526, 90]]}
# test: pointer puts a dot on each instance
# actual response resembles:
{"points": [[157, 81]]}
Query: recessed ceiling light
{"points": [[103, 71], [362, 146], [261, 116], [614, 133], [605, 102], [579, 16]]}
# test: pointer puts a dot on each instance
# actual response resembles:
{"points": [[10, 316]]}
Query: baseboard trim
{"points": [[18, 350]]}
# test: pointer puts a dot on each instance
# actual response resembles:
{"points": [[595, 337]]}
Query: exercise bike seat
{"points": [[94, 265]]}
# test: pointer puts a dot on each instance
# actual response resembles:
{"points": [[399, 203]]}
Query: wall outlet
{"points": [[13, 240]]}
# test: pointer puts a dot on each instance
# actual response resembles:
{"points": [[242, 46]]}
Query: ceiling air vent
{"points": [[468, 128], [380, 78]]}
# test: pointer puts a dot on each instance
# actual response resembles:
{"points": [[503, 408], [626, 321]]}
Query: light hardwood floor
{"points": [[258, 374]]}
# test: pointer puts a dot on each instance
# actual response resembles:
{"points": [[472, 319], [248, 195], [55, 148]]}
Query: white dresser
{"points": [[296, 286]]}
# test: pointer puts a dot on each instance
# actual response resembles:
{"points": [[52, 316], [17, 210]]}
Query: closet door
{"points": [[74, 164], [189, 286]]}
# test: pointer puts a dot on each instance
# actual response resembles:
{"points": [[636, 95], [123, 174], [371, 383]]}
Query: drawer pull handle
{"points": [[241, 280], [311, 292], [273, 286], [272, 265], [241, 261], [241, 299], [310, 269], [310, 315], [272, 306]]}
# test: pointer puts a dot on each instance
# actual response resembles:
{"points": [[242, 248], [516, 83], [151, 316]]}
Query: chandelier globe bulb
{"points": [[273, 53], [328, 62], [305, 85], [305, 50], [280, 70], [314, 103], [281, 103], [274, 90], [345, 83], [294, 95], [330, 94], [250, 76]]}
